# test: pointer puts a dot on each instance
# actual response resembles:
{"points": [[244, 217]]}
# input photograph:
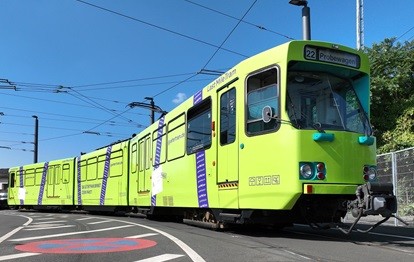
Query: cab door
{"points": [[227, 148]]}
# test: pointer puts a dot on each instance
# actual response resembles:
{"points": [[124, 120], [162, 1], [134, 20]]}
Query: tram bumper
{"points": [[373, 199]]}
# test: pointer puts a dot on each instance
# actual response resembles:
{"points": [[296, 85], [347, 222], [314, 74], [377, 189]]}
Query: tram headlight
{"points": [[370, 173], [306, 170]]}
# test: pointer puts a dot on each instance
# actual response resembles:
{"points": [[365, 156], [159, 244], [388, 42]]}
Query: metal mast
{"points": [[360, 24]]}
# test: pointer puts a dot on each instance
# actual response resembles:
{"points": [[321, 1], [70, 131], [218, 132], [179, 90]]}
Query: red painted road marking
{"points": [[86, 245]]}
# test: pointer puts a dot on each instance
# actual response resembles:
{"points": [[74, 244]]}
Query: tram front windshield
{"points": [[324, 101]]}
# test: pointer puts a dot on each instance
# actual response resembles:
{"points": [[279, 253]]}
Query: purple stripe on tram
{"points": [[158, 154], [201, 165], [79, 179], [21, 183], [201, 179], [105, 175], [42, 183], [198, 97]]}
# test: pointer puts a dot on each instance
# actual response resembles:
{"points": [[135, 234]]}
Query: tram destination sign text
{"points": [[332, 56]]}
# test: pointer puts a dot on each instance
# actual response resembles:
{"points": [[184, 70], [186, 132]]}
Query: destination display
{"points": [[332, 56]]}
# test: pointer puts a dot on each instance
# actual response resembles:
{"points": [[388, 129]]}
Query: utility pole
{"points": [[151, 106], [36, 138], [360, 24], [306, 29]]}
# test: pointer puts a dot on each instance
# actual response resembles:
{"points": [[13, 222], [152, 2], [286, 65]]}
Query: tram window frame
{"points": [[29, 177], [198, 115], [148, 153], [134, 157], [115, 155], [141, 155], [228, 119], [12, 179], [175, 135], [92, 168], [65, 173], [261, 81], [83, 169]]}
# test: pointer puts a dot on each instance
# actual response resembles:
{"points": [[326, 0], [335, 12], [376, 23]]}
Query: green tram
{"points": [[283, 137]]}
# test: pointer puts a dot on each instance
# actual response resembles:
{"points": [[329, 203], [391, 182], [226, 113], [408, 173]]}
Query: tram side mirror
{"points": [[267, 114]]}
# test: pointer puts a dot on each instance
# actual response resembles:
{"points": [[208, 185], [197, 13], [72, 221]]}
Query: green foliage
{"points": [[406, 210], [392, 94]]}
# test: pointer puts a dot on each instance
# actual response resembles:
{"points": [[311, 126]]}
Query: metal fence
{"points": [[398, 168]]}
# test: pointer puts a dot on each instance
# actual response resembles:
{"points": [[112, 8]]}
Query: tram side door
{"points": [[144, 165], [227, 148], [50, 180]]}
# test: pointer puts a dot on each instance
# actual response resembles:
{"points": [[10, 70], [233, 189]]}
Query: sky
{"points": [[77, 65]]}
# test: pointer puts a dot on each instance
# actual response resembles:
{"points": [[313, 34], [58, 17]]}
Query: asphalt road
{"points": [[34, 236]]}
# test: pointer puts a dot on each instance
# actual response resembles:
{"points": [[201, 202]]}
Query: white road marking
{"points": [[85, 218], [44, 218], [100, 222], [14, 231], [70, 233], [188, 250], [160, 258], [49, 222], [143, 235], [296, 254], [43, 227], [14, 256]]}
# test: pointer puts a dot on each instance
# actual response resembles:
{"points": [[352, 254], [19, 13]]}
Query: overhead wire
{"points": [[229, 34], [47, 87], [406, 32], [158, 27], [243, 21], [54, 114]]}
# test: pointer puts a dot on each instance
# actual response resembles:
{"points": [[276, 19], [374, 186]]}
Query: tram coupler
{"points": [[373, 198]]}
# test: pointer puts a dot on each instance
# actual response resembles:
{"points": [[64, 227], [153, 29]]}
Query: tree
{"points": [[392, 94]]}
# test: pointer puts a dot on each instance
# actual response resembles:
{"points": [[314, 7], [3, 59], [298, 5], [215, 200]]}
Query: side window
{"points": [[66, 173], [38, 176], [91, 173], [262, 91], [228, 117], [101, 166], [116, 166], [176, 138], [12, 179], [58, 174], [134, 156], [148, 153], [141, 155], [29, 177], [83, 170], [50, 175], [144, 153], [199, 127]]}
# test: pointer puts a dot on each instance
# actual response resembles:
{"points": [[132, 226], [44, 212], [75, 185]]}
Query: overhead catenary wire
{"points": [[159, 27], [243, 21], [406, 32], [229, 34]]}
